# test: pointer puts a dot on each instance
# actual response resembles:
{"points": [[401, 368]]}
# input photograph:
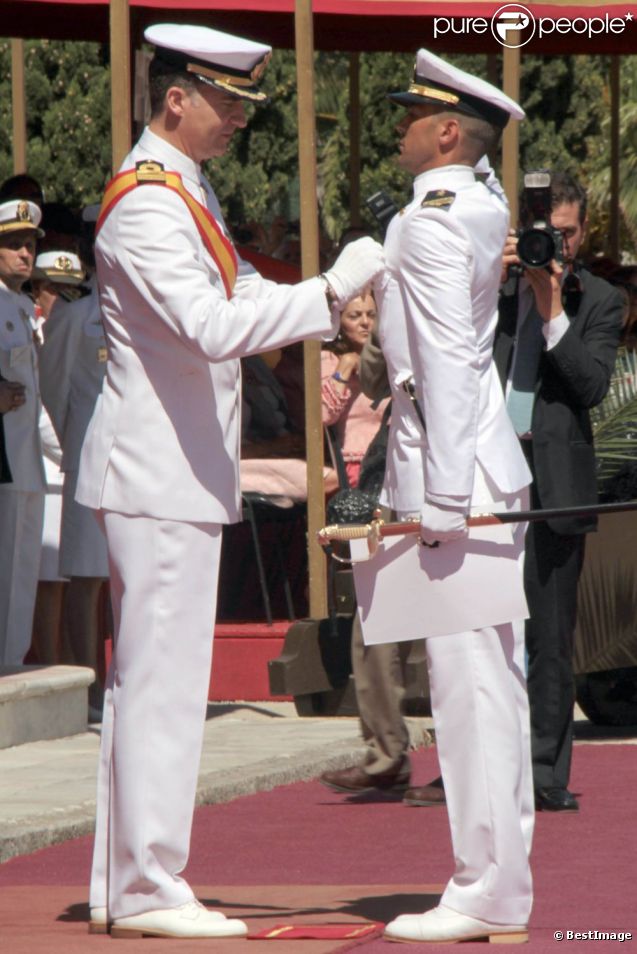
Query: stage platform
{"points": [[240, 657], [240, 660]]}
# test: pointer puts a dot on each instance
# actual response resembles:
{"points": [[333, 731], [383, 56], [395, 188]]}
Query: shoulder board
{"points": [[438, 199], [149, 171]]}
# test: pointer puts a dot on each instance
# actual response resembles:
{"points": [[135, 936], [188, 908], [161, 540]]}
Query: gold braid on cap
{"points": [[232, 82], [219, 77], [433, 93]]}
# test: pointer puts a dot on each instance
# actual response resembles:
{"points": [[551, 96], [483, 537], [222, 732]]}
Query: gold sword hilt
{"points": [[344, 532]]}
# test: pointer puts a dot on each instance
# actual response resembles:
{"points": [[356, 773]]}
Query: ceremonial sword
{"points": [[377, 528]]}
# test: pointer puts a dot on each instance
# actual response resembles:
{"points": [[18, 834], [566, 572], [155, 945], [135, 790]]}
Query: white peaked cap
{"points": [[438, 82], [59, 266], [230, 63], [18, 215]]}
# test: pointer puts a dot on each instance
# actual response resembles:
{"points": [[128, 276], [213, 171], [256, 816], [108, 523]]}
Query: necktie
{"points": [[526, 362]]}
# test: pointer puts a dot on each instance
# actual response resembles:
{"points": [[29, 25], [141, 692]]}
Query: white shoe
{"points": [[188, 920], [98, 923], [442, 924]]}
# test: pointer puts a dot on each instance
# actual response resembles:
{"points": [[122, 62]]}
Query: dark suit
{"points": [[5, 472], [572, 377]]}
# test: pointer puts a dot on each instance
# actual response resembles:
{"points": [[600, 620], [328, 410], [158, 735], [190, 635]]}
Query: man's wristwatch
{"points": [[339, 377]]}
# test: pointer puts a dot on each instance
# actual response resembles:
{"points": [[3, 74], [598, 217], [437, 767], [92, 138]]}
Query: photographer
{"points": [[555, 349]]}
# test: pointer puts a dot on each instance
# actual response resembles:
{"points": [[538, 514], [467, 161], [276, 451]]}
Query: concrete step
{"points": [[42, 702]]}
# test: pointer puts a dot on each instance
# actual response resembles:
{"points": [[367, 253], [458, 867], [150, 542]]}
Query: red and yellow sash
{"points": [[219, 247]]}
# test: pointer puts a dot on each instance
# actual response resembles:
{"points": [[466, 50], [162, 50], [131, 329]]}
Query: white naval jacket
{"points": [[438, 311], [72, 367], [164, 440], [18, 362]]}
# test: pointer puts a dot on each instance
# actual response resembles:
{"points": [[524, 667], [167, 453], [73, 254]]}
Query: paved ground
{"points": [[47, 789]]}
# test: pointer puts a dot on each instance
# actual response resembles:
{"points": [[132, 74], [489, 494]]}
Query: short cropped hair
{"points": [[480, 136], [566, 190], [161, 76]]}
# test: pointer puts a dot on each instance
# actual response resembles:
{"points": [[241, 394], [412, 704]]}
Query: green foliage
{"points": [[255, 179], [68, 118], [600, 175], [615, 422], [566, 99]]}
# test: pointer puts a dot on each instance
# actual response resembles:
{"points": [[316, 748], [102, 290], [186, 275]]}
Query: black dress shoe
{"points": [[356, 781], [429, 795], [555, 800]]}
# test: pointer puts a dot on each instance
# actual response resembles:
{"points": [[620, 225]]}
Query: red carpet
{"points": [[303, 854]]}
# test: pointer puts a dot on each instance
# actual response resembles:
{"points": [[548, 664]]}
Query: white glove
{"points": [[442, 524], [355, 268]]}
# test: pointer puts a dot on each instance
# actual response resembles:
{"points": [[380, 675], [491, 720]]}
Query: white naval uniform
{"points": [[161, 461], [72, 367], [22, 501], [438, 308], [51, 458]]}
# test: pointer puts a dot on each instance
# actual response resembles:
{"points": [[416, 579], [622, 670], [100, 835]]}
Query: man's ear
{"points": [[449, 132], [175, 100]]}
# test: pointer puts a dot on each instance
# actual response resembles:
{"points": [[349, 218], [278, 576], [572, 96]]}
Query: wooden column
{"points": [[615, 103], [354, 140], [121, 118], [304, 30], [511, 136], [18, 104]]}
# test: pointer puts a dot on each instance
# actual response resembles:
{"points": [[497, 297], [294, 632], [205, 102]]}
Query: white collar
{"points": [[173, 159], [435, 178]]}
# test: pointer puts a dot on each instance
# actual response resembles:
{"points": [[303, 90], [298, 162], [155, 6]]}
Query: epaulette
{"points": [[438, 199], [150, 171]]}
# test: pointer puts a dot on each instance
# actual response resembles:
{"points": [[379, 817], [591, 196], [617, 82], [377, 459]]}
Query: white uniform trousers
{"points": [[82, 540], [21, 519], [481, 716], [164, 592]]}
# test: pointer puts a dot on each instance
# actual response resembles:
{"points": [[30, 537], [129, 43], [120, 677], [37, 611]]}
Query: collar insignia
{"points": [[438, 199]]}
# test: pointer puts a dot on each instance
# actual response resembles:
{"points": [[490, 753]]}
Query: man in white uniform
{"points": [[21, 500], [160, 460], [438, 314]]}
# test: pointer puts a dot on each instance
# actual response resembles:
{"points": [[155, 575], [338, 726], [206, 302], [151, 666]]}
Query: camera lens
{"points": [[536, 248]]}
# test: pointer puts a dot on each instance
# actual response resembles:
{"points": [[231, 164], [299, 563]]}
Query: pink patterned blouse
{"points": [[352, 413]]}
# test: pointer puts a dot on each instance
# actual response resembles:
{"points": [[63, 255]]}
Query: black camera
{"points": [[539, 243]]}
